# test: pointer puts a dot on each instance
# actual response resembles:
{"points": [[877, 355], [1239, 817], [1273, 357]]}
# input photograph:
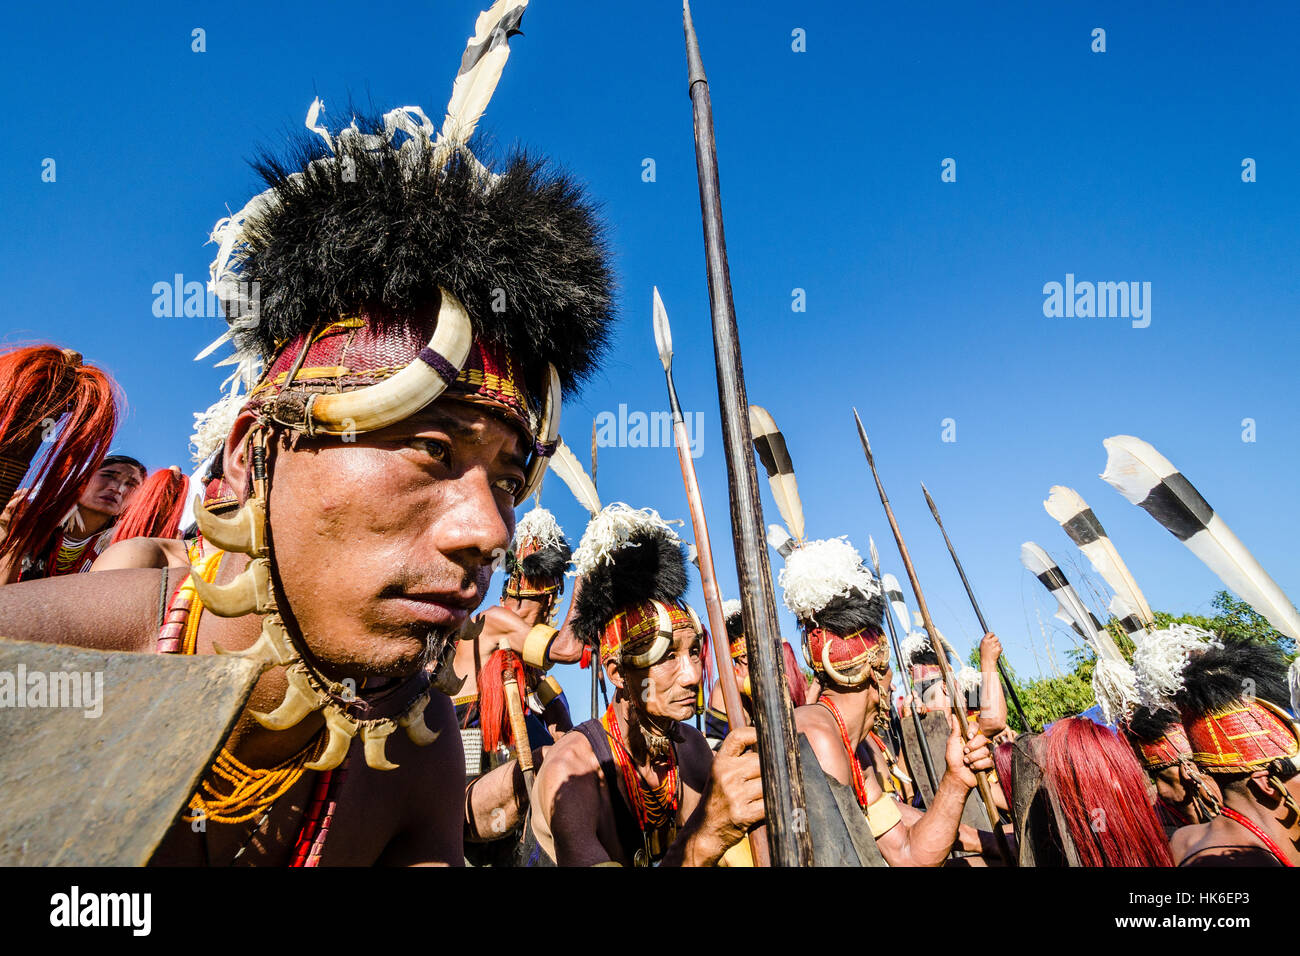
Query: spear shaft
{"points": [[731, 701], [981, 776], [789, 838], [1002, 667], [916, 717]]}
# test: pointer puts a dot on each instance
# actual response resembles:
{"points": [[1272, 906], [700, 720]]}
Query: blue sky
{"points": [[924, 298]]}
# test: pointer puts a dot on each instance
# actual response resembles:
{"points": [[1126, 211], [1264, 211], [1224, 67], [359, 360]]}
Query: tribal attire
{"points": [[382, 255]]}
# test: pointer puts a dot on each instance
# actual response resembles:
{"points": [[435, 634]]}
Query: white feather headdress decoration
{"points": [[819, 571], [913, 646], [1160, 659], [539, 525], [730, 607], [611, 529]]}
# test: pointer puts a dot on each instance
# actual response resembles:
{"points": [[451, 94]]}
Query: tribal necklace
{"points": [[859, 785], [1260, 835], [655, 807]]}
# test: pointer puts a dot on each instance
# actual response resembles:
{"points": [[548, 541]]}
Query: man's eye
{"points": [[511, 486], [438, 451]]}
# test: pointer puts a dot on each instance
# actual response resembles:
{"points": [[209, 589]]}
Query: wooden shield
{"points": [[100, 750], [916, 764], [936, 728], [1040, 831], [839, 831]]}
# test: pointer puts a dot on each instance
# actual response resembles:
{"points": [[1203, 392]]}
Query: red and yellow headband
{"points": [[847, 660], [1243, 736], [651, 619]]}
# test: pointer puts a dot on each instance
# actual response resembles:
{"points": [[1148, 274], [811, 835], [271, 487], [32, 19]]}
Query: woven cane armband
{"points": [[537, 646], [883, 815], [547, 691]]}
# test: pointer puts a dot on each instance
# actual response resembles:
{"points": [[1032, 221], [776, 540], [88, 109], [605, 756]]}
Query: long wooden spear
{"points": [[1002, 668], [704, 553], [907, 680], [789, 838], [954, 698]]}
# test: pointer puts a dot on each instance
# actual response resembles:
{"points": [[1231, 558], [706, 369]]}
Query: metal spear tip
{"points": [[930, 501], [663, 332], [862, 434]]}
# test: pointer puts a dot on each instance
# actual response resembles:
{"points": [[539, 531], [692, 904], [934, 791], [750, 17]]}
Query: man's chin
{"points": [[386, 658]]}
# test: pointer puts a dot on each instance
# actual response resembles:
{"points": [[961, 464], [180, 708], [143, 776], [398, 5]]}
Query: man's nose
{"points": [[470, 529]]}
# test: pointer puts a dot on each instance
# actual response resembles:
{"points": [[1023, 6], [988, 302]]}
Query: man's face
{"points": [[386, 541], [669, 689], [110, 489]]}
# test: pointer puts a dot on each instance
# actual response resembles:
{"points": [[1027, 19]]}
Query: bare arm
{"points": [[140, 553], [993, 703], [567, 794], [113, 611], [495, 801]]}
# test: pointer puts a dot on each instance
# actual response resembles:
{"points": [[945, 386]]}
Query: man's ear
{"points": [[614, 673], [236, 465]]}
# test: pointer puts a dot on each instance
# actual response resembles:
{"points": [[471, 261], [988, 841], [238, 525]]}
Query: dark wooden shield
{"points": [[839, 830], [915, 762], [99, 784], [1040, 830], [936, 728]]}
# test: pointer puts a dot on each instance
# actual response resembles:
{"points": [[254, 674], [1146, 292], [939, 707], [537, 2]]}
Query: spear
{"points": [[704, 554], [515, 710], [1002, 667], [955, 699], [907, 679], [789, 839]]}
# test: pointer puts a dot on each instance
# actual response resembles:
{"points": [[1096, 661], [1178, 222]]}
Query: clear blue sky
{"points": [[924, 299]]}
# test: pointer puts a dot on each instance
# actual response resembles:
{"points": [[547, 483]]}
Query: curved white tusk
{"points": [[394, 399], [300, 700], [272, 646], [375, 738], [243, 532], [248, 593], [342, 729], [546, 434], [836, 675], [662, 643], [413, 721], [695, 621]]}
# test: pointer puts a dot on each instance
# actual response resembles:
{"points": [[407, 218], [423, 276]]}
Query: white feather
{"points": [[730, 607], [820, 571], [565, 464], [473, 90], [1133, 468], [900, 607], [1160, 658], [611, 530], [913, 646], [969, 680], [1063, 504], [1114, 687], [540, 526]]}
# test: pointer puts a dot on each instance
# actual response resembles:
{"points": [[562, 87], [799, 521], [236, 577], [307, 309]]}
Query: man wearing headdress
{"points": [[638, 786], [841, 610], [405, 407], [1240, 734]]}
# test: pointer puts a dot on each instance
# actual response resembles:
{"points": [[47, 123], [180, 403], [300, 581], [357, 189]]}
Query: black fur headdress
{"points": [[381, 228], [647, 564], [1220, 676]]}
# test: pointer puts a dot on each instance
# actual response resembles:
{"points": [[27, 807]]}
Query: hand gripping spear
{"points": [[712, 597], [907, 678], [1002, 668], [789, 838], [981, 776]]}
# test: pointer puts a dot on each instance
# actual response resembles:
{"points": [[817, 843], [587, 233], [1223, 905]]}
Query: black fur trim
{"points": [[927, 656], [1148, 725], [736, 625], [650, 568], [387, 235], [548, 563], [853, 612], [1218, 676]]}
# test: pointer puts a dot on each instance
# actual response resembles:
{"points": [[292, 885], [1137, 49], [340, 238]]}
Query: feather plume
{"points": [[731, 612], [480, 68], [613, 530], [826, 584], [1114, 687], [1079, 522], [772, 452], [539, 525], [1160, 659], [780, 540], [913, 646], [894, 594], [565, 464], [1148, 479], [1071, 608]]}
